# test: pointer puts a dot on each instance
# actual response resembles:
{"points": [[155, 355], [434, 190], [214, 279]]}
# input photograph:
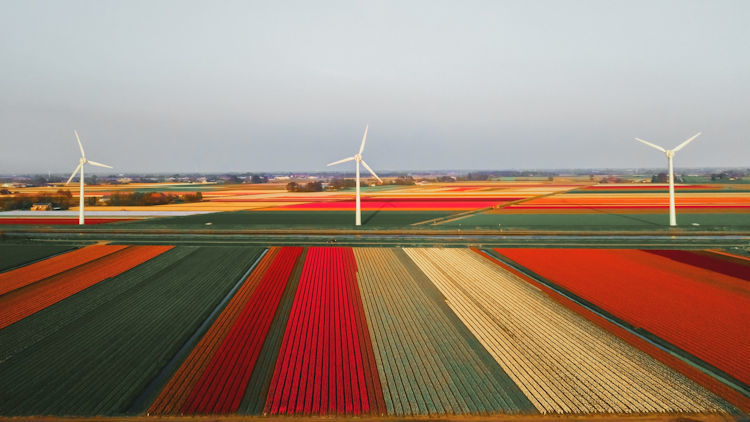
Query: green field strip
{"points": [[494, 371], [245, 220], [257, 388], [602, 219], [425, 364], [99, 365], [563, 363], [14, 255], [510, 397], [151, 391], [84, 305]]}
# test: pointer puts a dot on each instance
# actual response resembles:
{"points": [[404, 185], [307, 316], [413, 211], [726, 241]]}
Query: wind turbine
{"points": [[670, 156], [358, 158], [83, 161]]}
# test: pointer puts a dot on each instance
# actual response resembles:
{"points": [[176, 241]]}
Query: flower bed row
{"points": [[372, 204], [685, 305], [17, 255], [737, 268], [175, 393], [20, 277], [429, 363], [102, 358], [560, 361], [221, 386], [21, 303], [320, 368]]}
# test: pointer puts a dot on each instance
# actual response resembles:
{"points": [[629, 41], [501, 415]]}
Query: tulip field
{"points": [[702, 311], [166, 330]]}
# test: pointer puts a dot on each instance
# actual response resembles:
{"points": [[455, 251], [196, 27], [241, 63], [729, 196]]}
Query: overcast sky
{"points": [[167, 86]]}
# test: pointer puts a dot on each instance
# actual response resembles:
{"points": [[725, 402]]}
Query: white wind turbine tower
{"points": [[81, 163], [670, 156], [358, 158]]}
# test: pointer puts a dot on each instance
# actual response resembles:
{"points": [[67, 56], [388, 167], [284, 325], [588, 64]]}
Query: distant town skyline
{"points": [[236, 86]]}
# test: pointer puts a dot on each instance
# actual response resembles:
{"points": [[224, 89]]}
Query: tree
{"points": [[314, 187], [192, 197], [292, 187], [339, 183], [659, 178], [404, 180]]}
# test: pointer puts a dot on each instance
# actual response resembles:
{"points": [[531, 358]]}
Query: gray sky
{"points": [[252, 86]]}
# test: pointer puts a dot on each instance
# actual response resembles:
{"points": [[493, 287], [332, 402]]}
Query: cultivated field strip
{"points": [[20, 277], [222, 385], [17, 255], [175, 393], [320, 366], [563, 363], [425, 362], [257, 387], [372, 376], [25, 301], [700, 311], [736, 270], [24, 334], [100, 364]]}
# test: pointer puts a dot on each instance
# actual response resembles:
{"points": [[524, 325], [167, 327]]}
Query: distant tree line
{"points": [[339, 183], [307, 187], [237, 179], [403, 180], [725, 177], [63, 199], [151, 198]]}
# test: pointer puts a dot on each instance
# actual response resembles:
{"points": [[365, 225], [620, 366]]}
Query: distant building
{"points": [[41, 206]]}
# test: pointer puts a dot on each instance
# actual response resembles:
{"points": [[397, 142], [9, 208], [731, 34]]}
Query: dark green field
{"points": [[602, 221], [119, 333], [12, 256], [253, 220]]}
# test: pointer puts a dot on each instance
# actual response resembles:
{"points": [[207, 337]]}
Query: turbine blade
{"points": [[94, 163], [80, 145], [370, 170], [682, 145], [364, 138], [651, 145], [340, 161], [74, 173]]}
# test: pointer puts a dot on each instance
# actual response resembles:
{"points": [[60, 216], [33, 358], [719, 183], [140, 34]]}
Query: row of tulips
{"points": [[22, 302], [700, 311]]}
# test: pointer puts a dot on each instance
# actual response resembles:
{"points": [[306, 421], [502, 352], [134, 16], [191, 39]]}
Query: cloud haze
{"points": [[251, 86]]}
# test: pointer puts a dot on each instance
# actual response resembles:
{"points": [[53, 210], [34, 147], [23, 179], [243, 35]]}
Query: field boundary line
{"points": [[461, 215]]}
